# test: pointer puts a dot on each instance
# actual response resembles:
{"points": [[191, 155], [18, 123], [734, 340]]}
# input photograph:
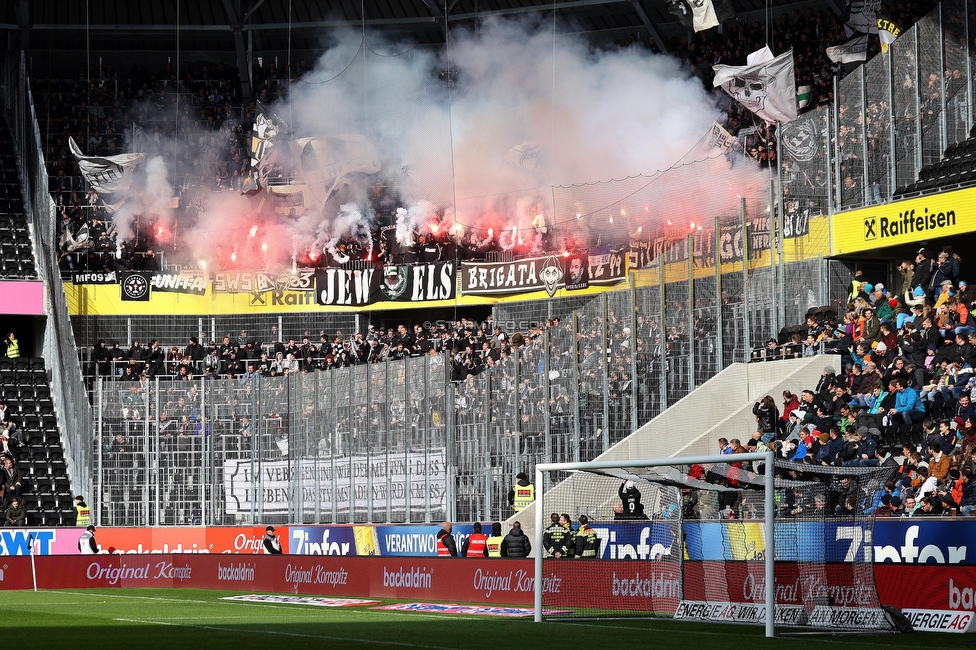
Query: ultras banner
{"points": [[395, 282], [549, 273]]}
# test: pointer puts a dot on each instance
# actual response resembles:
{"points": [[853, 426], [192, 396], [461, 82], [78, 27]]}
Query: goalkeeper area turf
{"points": [[189, 618]]}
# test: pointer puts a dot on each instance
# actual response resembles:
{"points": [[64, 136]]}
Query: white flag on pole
{"points": [[109, 173], [852, 51], [703, 15], [719, 138], [768, 89]]}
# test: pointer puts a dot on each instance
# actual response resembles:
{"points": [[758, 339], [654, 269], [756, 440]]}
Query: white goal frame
{"points": [[769, 458]]}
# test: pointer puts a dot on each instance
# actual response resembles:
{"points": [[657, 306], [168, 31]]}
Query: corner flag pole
{"points": [[30, 549]]}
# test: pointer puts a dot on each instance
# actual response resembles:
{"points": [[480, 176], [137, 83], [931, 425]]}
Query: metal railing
{"points": [[59, 350]]}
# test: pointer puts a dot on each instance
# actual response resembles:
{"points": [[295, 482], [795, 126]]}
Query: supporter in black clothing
{"points": [[516, 543], [630, 497]]}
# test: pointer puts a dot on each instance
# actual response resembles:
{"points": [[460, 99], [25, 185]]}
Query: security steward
{"points": [[569, 543], [493, 545], [272, 545], [446, 545], [522, 493], [82, 512], [476, 545], [552, 537], [587, 543]]}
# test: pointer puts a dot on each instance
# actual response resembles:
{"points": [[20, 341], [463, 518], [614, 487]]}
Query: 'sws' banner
{"points": [[397, 283]]}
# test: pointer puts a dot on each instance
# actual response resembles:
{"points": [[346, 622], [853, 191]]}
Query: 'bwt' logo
{"points": [[870, 225]]}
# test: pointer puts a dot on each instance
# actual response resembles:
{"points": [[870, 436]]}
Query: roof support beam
{"points": [[234, 17], [573, 4], [320, 24], [651, 27], [65, 27]]}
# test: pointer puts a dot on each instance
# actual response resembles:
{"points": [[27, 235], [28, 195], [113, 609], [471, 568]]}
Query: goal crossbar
{"points": [[768, 458]]}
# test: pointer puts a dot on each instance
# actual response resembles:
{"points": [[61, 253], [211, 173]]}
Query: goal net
{"points": [[696, 538]]}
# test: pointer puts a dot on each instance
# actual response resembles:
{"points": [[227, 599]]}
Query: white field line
{"points": [[250, 632]]}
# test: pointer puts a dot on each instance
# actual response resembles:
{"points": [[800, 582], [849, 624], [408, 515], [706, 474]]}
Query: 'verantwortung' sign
{"points": [[344, 482]]}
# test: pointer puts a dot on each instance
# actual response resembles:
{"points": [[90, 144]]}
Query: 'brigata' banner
{"points": [[541, 273], [356, 482]]}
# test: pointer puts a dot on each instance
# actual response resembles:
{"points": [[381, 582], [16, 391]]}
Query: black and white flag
{"points": [[767, 87], [109, 173], [862, 16], [703, 15], [852, 51]]}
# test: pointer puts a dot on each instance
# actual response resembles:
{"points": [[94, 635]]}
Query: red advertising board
{"points": [[242, 540], [936, 597]]}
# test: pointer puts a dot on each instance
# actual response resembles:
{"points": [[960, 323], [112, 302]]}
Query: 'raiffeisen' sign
{"points": [[921, 219]]}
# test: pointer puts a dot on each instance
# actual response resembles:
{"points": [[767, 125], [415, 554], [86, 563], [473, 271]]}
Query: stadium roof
{"points": [[254, 26]]}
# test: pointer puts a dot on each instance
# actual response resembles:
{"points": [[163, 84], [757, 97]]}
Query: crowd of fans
{"points": [[201, 109], [903, 393], [472, 347]]}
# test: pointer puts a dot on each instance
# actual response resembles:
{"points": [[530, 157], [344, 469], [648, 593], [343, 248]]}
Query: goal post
{"points": [[744, 538], [768, 458]]}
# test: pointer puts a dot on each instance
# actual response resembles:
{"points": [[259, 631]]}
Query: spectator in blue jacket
{"points": [[908, 407]]}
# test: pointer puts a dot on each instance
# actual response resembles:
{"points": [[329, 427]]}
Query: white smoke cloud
{"points": [[578, 117]]}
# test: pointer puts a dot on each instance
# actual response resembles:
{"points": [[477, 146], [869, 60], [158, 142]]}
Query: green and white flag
{"points": [[803, 95]]}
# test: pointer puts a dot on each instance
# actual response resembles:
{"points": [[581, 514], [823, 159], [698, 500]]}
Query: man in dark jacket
{"points": [[272, 545], [587, 542], [924, 269], [830, 449], [516, 543]]}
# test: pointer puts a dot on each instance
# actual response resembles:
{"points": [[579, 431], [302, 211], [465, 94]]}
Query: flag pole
{"points": [[30, 549]]}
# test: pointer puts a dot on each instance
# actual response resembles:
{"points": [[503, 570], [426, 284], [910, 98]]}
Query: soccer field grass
{"points": [[168, 618]]}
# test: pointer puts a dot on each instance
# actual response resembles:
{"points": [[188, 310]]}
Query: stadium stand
{"points": [[639, 375], [16, 250]]}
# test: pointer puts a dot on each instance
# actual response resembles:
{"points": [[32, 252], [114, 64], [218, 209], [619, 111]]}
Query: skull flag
{"points": [[767, 88]]}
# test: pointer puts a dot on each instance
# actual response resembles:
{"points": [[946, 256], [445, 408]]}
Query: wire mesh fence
{"points": [[892, 117]]}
